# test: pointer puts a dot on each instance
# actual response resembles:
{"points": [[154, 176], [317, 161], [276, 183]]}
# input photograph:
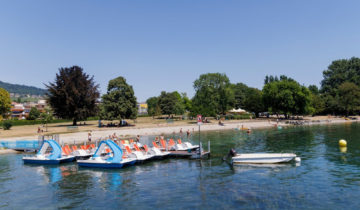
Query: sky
{"points": [[167, 44]]}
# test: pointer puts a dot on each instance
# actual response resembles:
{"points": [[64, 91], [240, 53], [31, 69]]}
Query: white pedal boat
{"points": [[139, 155], [156, 152], [185, 146], [54, 157], [114, 159]]}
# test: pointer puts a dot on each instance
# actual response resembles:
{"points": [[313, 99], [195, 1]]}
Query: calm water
{"points": [[326, 178]]}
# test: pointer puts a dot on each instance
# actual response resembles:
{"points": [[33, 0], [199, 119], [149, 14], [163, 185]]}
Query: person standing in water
{"points": [[188, 133], [89, 136]]}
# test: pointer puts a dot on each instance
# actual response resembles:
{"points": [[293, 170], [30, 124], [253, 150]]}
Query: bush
{"points": [[7, 125], [33, 114]]}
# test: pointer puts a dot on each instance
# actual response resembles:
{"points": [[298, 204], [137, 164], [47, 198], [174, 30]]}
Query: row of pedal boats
{"points": [[108, 154]]}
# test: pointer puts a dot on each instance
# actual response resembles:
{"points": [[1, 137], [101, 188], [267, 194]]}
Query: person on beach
{"points": [[39, 129], [89, 136], [114, 137], [138, 139]]}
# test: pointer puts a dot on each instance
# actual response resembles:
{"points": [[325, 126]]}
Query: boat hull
{"points": [[47, 161], [94, 164], [263, 158], [82, 157]]}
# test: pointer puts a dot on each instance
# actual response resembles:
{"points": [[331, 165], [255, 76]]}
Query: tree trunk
{"points": [[74, 122]]}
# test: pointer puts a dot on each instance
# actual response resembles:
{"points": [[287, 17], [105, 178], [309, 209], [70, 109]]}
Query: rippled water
{"points": [[326, 178]]}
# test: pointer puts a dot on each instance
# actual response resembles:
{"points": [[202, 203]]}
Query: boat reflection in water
{"points": [[53, 174]]}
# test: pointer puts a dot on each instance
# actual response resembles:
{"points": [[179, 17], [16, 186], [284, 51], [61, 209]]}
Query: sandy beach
{"points": [[159, 129]]}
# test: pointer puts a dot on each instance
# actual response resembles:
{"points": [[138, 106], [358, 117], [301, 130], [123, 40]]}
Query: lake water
{"points": [[326, 178]]}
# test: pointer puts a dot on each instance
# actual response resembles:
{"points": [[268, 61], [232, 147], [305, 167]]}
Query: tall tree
{"points": [[213, 95], [287, 97], [5, 102], [340, 71], [73, 94], [349, 93], [337, 73], [240, 90], [171, 103], [46, 117], [187, 104], [314, 89], [253, 101], [152, 103], [119, 102]]}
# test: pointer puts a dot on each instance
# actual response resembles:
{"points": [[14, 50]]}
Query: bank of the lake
{"points": [[326, 179], [166, 129]]}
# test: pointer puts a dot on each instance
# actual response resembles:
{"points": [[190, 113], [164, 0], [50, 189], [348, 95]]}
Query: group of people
{"points": [[188, 133], [40, 129]]}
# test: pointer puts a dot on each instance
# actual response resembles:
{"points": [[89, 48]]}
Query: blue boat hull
{"points": [[48, 162], [105, 165]]}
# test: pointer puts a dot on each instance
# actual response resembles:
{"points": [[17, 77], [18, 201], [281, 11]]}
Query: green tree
{"points": [[152, 103], [240, 90], [349, 94], [318, 103], [213, 95], [314, 89], [340, 71], [33, 114], [287, 97], [337, 73], [5, 102], [73, 94], [187, 104], [46, 117], [171, 103], [119, 102], [253, 101]]}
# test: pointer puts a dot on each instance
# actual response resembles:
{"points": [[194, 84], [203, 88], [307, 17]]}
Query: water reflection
{"points": [[207, 184]]}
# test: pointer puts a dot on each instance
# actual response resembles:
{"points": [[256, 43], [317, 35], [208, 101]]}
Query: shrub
{"points": [[7, 125]]}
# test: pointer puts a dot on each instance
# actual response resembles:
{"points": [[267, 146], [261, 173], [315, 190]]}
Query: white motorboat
{"points": [[262, 158]]}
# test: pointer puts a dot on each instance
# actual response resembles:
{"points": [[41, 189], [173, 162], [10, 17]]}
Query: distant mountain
{"points": [[22, 89]]}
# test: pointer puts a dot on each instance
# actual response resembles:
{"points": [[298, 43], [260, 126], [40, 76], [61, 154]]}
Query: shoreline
{"points": [[130, 132]]}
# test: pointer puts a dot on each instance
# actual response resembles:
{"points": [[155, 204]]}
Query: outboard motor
{"points": [[232, 152]]}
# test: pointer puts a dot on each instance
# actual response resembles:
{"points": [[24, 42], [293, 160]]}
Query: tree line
{"points": [[215, 95], [75, 95]]}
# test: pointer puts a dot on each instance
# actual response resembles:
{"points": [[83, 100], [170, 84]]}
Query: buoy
{"points": [[343, 149], [342, 143]]}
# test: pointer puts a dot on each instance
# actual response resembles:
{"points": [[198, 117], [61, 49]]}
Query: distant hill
{"points": [[22, 89]]}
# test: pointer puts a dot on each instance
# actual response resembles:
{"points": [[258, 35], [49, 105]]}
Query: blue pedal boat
{"points": [[112, 159], [49, 153]]}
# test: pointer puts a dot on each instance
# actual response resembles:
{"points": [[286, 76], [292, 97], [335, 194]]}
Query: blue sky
{"points": [[165, 45]]}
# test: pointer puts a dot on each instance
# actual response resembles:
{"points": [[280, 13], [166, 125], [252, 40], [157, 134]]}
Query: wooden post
{"points": [[199, 143]]}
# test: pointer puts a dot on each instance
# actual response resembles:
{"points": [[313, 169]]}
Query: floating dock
{"points": [[191, 155]]}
